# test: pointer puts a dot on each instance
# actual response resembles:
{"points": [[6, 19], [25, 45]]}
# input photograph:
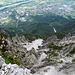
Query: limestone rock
{"points": [[1, 61]]}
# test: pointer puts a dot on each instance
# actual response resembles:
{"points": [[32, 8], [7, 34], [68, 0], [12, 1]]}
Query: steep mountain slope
{"points": [[43, 54]]}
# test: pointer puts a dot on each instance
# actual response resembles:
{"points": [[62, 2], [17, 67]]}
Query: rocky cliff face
{"points": [[12, 69], [52, 56]]}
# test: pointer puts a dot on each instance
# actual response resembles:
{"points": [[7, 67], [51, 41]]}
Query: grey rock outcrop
{"points": [[68, 69], [1, 61], [67, 39], [53, 39], [12, 69]]}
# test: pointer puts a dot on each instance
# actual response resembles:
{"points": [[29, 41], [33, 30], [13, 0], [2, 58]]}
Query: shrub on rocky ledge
{"points": [[72, 51], [73, 60], [10, 58], [55, 47]]}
